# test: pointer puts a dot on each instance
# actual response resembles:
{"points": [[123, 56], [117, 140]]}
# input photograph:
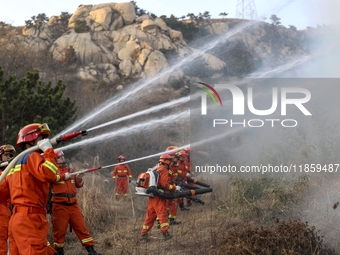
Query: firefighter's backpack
{"points": [[145, 180]]}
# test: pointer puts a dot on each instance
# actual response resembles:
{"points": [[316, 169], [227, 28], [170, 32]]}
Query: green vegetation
{"points": [[29, 100], [191, 30], [36, 20], [81, 26], [140, 12]]}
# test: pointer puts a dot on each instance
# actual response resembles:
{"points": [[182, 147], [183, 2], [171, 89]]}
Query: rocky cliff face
{"points": [[111, 43]]}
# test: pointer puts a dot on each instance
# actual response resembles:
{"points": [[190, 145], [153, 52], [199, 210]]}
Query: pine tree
{"points": [[29, 100]]}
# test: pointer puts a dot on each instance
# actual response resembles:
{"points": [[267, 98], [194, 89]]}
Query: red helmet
{"points": [[7, 148], [60, 159], [121, 157], [165, 158], [59, 154], [31, 132], [170, 148], [181, 153]]}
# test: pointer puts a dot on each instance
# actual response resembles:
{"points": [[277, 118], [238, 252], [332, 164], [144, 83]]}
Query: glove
{"points": [[44, 144], [188, 174], [65, 176], [178, 188]]}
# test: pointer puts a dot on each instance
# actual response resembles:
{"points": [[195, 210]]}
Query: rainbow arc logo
{"points": [[209, 93], [209, 90]]}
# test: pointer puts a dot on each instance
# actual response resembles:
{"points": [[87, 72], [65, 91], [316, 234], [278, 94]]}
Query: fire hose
{"points": [[198, 182], [54, 141], [190, 191], [183, 193], [190, 187]]}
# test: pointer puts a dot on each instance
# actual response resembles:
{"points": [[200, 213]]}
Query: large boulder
{"points": [[127, 11], [85, 48], [149, 26], [40, 30], [130, 51], [155, 64], [102, 16]]}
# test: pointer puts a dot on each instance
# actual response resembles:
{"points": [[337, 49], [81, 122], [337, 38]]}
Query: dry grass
{"points": [[226, 224]]}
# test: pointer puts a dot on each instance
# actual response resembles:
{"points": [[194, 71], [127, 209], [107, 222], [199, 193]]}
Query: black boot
{"points": [[158, 224], [173, 222], [91, 250], [59, 252], [166, 235], [144, 237], [189, 203], [181, 206]]}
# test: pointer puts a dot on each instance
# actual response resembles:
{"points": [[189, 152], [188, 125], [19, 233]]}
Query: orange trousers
{"points": [[121, 186], [156, 209], [171, 204], [62, 215], [28, 229], [4, 220]]}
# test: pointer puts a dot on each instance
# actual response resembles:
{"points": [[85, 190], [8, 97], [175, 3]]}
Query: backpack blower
{"points": [[147, 186]]}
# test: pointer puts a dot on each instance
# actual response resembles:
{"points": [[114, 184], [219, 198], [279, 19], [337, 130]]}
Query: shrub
{"points": [[81, 26]]}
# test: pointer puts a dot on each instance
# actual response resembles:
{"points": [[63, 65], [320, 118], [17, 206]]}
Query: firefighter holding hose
{"points": [[156, 205], [122, 176], [65, 209], [27, 184], [182, 172], [7, 152]]}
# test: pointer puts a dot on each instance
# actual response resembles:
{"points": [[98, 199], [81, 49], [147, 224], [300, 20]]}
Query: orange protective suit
{"points": [[181, 172], [28, 183], [65, 210], [171, 204], [188, 170], [156, 205], [121, 174], [5, 214]]}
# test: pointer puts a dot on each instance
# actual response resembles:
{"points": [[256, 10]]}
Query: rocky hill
{"points": [[110, 43], [103, 51]]}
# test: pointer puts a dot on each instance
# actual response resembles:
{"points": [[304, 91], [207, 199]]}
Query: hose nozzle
{"points": [[69, 136]]}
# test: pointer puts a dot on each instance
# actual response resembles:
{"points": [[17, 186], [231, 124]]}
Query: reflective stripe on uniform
{"points": [[59, 244], [17, 168], [164, 224], [145, 227], [86, 240], [51, 166]]}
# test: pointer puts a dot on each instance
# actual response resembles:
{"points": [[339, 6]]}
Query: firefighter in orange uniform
{"points": [[187, 161], [28, 185], [182, 175], [172, 203], [65, 210], [6, 153], [156, 205], [122, 175], [188, 170]]}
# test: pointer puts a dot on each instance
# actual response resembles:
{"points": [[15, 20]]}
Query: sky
{"points": [[300, 13]]}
